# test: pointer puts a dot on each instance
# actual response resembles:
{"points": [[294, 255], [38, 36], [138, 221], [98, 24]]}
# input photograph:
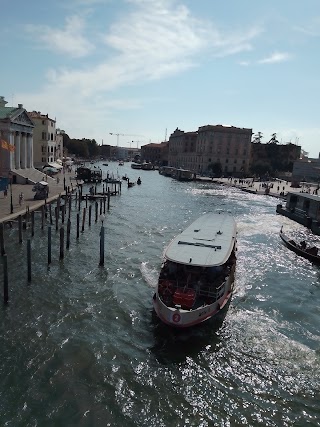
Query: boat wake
{"points": [[150, 275]]}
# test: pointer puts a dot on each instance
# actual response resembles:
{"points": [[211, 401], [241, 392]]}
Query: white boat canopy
{"points": [[206, 242]]}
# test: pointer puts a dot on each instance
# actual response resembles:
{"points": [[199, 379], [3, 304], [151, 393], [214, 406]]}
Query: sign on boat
{"points": [[196, 280]]}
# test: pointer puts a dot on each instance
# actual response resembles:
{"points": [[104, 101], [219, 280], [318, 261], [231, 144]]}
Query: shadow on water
{"points": [[173, 345]]}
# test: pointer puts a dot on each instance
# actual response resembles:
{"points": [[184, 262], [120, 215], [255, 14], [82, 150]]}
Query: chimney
{"points": [[20, 106]]}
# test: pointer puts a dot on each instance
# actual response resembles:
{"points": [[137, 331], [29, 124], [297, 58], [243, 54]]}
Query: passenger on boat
{"points": [[303, 245]]}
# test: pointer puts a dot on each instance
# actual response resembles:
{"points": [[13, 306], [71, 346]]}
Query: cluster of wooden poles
{"points": [[61, 211]]}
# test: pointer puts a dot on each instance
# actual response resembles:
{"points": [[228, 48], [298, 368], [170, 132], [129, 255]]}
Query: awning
{"points": [[55, 165]]}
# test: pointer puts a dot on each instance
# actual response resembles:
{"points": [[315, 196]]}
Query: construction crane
{"points": [[122, 134]]}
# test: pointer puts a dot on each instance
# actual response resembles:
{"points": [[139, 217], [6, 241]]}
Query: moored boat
{"points": [[135, 165], [183, 174], [166, 170], [310, 252], [196, 280], [147, 166]]}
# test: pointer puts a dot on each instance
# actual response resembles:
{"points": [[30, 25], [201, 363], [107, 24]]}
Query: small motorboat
{"points": [[196, 280], [303, 249]]}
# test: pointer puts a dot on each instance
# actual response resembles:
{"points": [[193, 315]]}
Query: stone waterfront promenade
{"points": [[276, 188], [56, 188]]}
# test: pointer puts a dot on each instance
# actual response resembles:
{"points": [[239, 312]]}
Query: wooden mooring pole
{"points": [[101, 263], [78, 225], [2, 248], [89, 219], [61, 242], [68, 232]]}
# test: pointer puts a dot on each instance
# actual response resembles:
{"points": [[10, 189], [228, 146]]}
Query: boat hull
{"points": [[186, 319], [180, 318], [293, 246]]}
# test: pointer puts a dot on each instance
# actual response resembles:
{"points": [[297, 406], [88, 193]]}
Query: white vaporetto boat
{"points": [[196, 280]]}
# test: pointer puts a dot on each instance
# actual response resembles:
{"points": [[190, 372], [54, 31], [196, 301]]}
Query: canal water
{"points": [[80, 345]]}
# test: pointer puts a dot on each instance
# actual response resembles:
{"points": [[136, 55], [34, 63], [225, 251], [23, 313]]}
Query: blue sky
{"points": [[142, 68]]}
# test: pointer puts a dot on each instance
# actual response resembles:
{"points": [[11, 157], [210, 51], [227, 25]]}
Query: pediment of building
{"points": [[22, 118]]}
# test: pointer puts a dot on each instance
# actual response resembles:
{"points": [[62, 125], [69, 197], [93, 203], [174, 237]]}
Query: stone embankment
{"points": [[56, 188], [275, 188]]}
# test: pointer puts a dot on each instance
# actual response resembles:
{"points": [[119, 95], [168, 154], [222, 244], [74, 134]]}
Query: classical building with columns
{"points": [[16, 128], [47, 140]]}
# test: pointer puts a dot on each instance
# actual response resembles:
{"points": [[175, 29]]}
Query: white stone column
{"points": [[28, 151], [31, 150], [17, 137], [23, 151]]}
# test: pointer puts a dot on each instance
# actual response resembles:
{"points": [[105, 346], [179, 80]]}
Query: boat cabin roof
{"points": [[303, 196], [206, 242]]}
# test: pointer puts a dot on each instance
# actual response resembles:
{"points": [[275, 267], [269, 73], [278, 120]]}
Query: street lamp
{"points": [[11, 204]]}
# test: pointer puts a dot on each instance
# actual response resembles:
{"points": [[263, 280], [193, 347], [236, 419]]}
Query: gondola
{"points": [[307, 251]]}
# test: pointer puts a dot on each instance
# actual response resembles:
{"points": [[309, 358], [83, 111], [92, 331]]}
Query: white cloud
{"points": [[68, 40], [152, 42], [157, 39], [275, 57]]}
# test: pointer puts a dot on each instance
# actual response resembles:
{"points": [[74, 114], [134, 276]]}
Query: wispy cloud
{"points": [[154, 40], [311, 28], [158, 39], [276, 57], [69, 40]]}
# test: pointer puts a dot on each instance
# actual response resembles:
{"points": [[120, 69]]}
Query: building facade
{"points": [[16, 134], [46, 146], [227, 146], [306, 169], [156, 154]]}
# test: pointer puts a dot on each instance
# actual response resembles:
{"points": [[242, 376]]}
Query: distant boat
{"points": [[183, 174], [135, 165], [88, 174], [166, 170], [303, 208], [196, 280], [147, 166]]}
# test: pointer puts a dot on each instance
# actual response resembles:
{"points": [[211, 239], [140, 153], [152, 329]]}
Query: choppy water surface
{"points": [[80, 347]]}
